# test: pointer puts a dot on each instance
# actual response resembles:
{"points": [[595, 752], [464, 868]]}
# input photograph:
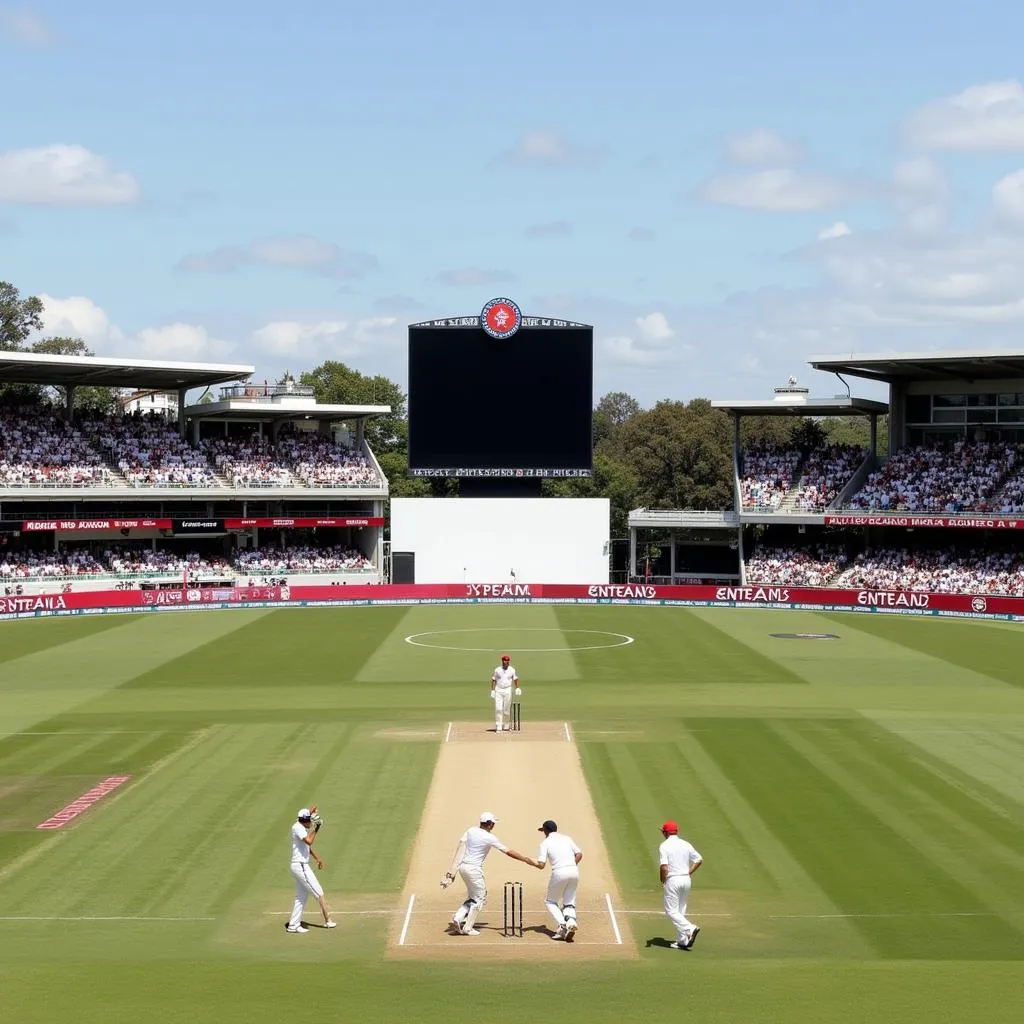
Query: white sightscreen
{"points": [[485, 540]]}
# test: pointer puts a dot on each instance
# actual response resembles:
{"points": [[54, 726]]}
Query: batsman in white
{"points": [[474, 845], [678, 861], [564, 856], [306, 883], [504, 684]]}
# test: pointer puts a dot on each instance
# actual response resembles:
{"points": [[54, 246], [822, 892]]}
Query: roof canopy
{"points": [[157, 374], [284, 409], [797, 406], [907, 366]]}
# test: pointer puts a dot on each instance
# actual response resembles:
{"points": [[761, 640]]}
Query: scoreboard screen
{"points": [[487, 406]]}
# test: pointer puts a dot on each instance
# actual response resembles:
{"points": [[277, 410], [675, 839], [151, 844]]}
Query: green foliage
{"points": [[338, 384], [98, 398], [20, 318]]}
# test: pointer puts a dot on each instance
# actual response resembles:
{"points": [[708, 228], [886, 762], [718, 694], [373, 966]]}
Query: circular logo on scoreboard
{"points": [[979, 604], [501, 318]]}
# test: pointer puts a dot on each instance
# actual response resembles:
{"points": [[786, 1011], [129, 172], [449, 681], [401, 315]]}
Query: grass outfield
{"points": [[859, 802]]}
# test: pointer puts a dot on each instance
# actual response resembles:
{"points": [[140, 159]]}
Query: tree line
{"points": [[671, 455]]}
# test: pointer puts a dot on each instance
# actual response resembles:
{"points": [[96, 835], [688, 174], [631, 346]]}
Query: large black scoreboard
{"points": [[500, 395]]}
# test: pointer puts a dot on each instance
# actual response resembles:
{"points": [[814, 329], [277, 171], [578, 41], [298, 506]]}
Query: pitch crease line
{"points": [[568, 737], [611, 914], [408, 918], [448, 734], [25, 918]]}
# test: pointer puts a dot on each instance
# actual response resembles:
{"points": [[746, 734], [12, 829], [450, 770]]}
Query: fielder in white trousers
{"points": [[564, 856], [504, 683], [678, 860]]}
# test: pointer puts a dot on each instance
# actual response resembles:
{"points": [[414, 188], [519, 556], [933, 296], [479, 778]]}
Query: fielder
{"points": [[504, 682], [564, 856], [306, 884], [474, 845], [679, 861]]}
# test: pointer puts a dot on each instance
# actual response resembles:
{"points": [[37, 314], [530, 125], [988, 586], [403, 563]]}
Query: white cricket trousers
{"points": [[476, 895], [677, 892], [306, 885], [502, 703], [561, 895]]}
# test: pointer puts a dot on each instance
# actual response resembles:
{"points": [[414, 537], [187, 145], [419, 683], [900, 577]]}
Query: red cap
{"points": [[671, 828], [505, 657]]}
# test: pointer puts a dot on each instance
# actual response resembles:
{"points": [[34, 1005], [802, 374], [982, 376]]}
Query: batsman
{"points": [[504, 685]]}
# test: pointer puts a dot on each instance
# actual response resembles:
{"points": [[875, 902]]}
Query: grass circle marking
{"points": [[622, 640]]}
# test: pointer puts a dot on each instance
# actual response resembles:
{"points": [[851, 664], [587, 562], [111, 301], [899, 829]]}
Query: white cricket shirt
{"points": [[300, 848], [479, 842], [560, 850], [505, 678], [679, 855]]}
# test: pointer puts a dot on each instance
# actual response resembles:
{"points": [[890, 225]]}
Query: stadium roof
{"points": [[798, 406], [158, 374], [906, 366], [283, 409]]}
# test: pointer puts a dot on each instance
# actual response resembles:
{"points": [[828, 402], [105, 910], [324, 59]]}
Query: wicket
{"points": [[509, 923], [515, 718]]}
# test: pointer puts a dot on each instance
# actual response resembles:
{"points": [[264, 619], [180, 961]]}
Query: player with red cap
{"points": [[503, 681], [678, 861]]}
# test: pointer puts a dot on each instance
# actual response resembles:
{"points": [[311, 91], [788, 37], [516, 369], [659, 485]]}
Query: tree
{"points": [[101, 399], [680, 454], [807, 435], [773, 430], [856, 432], [611, 412], [19, 318], [611, 480], [337, 384]]}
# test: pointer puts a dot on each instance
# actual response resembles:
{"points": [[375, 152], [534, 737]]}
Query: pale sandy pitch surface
{"points": [[523, 778]]}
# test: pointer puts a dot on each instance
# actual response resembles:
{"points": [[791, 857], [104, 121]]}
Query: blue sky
{"points": [[721, 190]]}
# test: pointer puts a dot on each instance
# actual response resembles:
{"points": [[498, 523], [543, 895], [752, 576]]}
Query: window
{"points": [[981, 415], [948, 401], [919, 408], [1011, 415], [948, 415], [1008, 398], [981, 400]]}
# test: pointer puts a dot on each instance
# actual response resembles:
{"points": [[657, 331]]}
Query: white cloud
{"points": [[654, 327], [836, 230], [624, 349], [180, 341], [77, 317], [316, 339], [1008, 197], [550, 149], [987, 117], [763, 147], [26, 27], [550, 229], [474, 277], [302, 252], [61, 175], [291, 337], [779, 190]]}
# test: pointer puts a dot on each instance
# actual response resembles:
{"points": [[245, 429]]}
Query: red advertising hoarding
{"points": [[287, 523], [62, 525], [908, 521], [601, 593]]}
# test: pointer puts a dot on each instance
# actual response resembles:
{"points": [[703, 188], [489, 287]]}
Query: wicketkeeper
{"points": [[304, 832]]}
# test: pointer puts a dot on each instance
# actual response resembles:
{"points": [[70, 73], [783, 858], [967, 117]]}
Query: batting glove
{"points": [[519, 691], [447, 880], [493, 695]]}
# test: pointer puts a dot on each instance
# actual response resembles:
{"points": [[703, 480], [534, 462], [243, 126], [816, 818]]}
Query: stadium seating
{"points": [[825, 474], [40, 449], [248, 462], [959, 477], [766, 474], [301, 558], [149, 452], [810, 567]]}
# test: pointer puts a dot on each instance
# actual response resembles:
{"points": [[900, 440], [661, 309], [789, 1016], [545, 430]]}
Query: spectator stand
{"points": [[770, 485]]}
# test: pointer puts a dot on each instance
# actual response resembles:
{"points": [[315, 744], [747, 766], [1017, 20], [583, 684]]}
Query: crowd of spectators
{"points": [[942, 571], [319, 462], [825, 474], [39, 449], [149, 452], [248, 461], [941, 478], [766, 475], [127, 560], [25, 565], [795, 567], [301, 558]]}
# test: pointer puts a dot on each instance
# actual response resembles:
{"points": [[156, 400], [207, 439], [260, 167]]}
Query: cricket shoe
{"points": [[559, 934], [570, 931], [301, 930], [470, 931], [678, 945], [693, 938], [331, 924]]}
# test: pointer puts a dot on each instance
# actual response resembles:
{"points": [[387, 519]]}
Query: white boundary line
{"points": [[611, 914], [448, 733], [408, 918]]}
